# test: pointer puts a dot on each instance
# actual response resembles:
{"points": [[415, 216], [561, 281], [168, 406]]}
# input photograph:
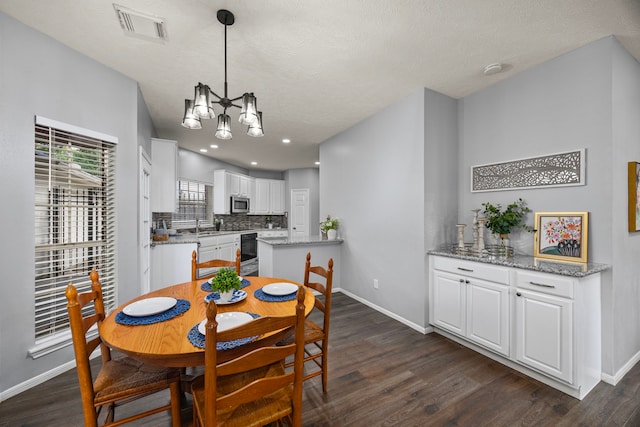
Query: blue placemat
{"points": [[197, 339], [181, 306], [206, 286], [273, 298]]}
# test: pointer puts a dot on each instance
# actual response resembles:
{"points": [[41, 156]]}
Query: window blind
{"points": [[75, 222]]}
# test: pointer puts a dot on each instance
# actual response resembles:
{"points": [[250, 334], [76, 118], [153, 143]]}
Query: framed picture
{"points": [[561, 236], [634, 196]]}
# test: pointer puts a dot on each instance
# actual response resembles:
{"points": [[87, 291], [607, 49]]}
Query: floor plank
{"points": [[382, 373]]}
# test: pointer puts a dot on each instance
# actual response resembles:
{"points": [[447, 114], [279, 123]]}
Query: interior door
{"points": [[299, 217], [145, 223]]}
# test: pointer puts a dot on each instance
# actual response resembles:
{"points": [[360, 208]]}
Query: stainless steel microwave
{"points": [[239, 204]]}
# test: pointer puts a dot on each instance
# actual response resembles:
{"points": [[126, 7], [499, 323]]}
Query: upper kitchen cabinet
{"points": [[269, 198], [227, 184], [164, 175]]}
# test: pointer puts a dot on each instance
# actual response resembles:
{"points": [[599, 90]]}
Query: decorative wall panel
{"points": [[553, 170]]}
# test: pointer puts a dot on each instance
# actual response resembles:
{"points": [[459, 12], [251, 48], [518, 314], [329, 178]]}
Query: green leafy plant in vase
{"points": [[327, 225], [225, 282], [501, 222]]}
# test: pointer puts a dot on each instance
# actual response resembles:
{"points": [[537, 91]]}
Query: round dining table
{"points": [[166, 343]]}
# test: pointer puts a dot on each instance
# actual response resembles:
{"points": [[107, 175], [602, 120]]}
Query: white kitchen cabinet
{"points": [[544, 333], [164, 175], [217, 247], [171, 264], [469, 306], [227, 184], [269, 197], [543, 324], [273, 233], [276, 197]]}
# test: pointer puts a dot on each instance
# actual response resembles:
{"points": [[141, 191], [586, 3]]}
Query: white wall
{"points": [[588, 98], [372, 178], [196, 167], [39, 76], [623, 329]]}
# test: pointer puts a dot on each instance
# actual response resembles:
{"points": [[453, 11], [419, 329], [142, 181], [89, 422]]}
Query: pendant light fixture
{"points": [[201, 106]]}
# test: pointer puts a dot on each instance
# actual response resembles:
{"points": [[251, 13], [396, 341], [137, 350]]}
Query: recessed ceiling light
{"points": [[286, 141], [254, 163], [203, 150], [213, 146], [317, 163]]}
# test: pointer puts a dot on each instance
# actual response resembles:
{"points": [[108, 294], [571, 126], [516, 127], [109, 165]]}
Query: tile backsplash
{"points": [[229, 222]]}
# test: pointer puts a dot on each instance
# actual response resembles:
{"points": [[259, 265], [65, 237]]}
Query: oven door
{"points": [[248, 246]]}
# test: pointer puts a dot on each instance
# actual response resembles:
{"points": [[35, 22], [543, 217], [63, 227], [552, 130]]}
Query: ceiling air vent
{"points": [[141, 25]]}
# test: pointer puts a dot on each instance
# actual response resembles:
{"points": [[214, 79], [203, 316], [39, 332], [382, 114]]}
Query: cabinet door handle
{"points": [[518, 294], [542, 284], [466, 281], [465, 269]]}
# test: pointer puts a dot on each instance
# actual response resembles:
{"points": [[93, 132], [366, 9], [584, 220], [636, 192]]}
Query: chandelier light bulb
{"points": [[224, 127], [190, 120]]}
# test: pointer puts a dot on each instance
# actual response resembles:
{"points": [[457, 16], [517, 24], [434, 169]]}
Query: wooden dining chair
{"points": [[254, 389], [316, 337], [119, 380], [195, 265]]}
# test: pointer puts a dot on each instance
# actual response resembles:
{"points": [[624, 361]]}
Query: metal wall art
{"points": [[553, 170]]}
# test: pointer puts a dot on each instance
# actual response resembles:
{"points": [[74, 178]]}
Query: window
{"points": [[74, 220], [194, 201]]}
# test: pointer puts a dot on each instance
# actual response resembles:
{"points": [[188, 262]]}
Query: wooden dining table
{"points": [[166, 343]]}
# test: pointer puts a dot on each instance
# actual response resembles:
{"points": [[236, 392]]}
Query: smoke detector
{"points": [[492, 69], [141, 25]]}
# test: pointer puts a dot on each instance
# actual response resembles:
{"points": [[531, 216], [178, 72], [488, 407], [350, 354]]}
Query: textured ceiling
{"points": [[319, 66]]}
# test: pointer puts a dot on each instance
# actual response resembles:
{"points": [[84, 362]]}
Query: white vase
{"points": [[226, 296], [332, 234]]}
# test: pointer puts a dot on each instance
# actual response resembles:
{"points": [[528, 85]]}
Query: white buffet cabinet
{"points": [[542, 324]]}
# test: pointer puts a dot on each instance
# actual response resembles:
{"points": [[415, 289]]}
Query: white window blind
{"points": [[74, 222]]}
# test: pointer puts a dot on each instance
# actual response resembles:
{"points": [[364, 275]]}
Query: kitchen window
{"points": [[194, 201], [75, 224]]}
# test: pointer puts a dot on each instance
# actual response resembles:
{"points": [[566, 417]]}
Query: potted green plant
{"points": [[218, 222], [269, 221], [501, 222], [225, 282], [329, 227]]}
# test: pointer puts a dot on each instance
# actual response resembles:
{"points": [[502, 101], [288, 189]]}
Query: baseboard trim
{"points": [[615, 379], [386, 312], [37, 380]]}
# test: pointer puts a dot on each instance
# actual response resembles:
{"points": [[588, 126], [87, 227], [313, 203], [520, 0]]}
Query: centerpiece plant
{"points": [[225, 280]]}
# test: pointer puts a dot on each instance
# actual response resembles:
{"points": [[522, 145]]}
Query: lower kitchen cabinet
{"points": [[473, 308], [544, 333], [171, 264], [544, 325], [217, 247]]}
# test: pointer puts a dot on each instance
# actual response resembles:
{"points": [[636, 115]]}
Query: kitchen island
{"points": [[285, 257]]}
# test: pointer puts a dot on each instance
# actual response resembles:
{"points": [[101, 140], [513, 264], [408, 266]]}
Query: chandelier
{"points": [[201, 106]]}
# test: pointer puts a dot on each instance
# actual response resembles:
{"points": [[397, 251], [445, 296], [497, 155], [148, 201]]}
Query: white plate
{"points": [[238, 296], [149, 306], [227, 321], [279, 289]]}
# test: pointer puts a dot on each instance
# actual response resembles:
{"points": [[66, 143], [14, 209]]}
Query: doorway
{"points": [[299, 217], [144, 227]]}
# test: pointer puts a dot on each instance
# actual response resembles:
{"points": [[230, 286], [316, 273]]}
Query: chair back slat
{"points": [[195, 265], [259, 358]]}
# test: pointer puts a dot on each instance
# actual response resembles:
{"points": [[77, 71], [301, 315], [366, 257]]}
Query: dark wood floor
{"points": [[383, 373]]}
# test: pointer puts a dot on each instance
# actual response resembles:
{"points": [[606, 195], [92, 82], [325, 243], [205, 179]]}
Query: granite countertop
{"points": [[195, 238], [573, 269], [303, 240]]}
